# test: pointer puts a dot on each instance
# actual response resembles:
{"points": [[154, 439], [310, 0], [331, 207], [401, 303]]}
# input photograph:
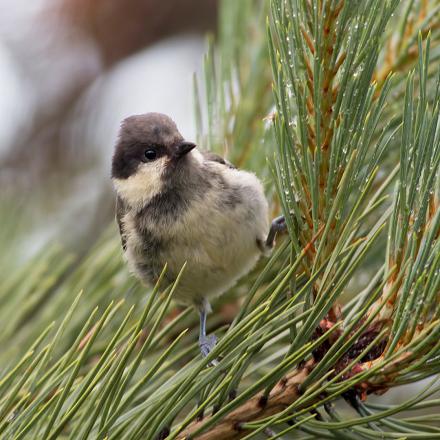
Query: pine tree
{"points": [[335, 104]]}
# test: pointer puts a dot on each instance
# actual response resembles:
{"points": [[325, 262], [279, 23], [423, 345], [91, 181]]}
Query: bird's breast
{"points": [[215, 234]]}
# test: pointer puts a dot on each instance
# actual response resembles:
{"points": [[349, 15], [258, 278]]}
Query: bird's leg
{"points": [[278, 225], [206, 343]]}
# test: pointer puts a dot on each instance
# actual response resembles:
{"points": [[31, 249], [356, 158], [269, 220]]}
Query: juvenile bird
{"points": [[176, 204]]}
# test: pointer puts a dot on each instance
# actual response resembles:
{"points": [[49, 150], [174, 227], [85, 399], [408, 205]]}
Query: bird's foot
{"points": [[278, 225], [206, 344]]}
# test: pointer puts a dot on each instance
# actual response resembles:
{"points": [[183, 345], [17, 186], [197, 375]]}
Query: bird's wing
{"points": [[120, 211], [213, 157]]}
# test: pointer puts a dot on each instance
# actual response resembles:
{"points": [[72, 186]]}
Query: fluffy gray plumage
{"points": [[185, 206]]}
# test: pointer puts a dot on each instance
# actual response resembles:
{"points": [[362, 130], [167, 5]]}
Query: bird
{"points": [[177, 205]]}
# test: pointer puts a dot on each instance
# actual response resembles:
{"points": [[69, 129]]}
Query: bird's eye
{"points": [[150, 154]]}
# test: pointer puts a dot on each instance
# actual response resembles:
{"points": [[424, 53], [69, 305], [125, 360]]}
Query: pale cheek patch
{"points": [[197, 155], [142, 186]]}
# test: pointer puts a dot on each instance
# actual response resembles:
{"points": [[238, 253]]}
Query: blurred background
{"points": [[70, 71]]}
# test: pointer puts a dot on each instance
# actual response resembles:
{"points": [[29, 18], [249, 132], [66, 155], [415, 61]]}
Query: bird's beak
{"points": [[184, 148]]}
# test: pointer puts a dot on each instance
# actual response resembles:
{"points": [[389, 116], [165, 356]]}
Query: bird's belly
{"points": [[209, 271], [222, 248], [214, 262], [216, 237]]}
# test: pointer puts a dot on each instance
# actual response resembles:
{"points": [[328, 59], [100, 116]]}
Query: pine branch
{"points": [[260, 406]]}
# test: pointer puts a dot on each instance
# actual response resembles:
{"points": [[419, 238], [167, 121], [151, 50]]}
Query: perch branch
{"points": [[282, 395]]}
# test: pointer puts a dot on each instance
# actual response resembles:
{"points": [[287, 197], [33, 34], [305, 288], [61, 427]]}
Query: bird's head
{"points": [[149, 151]]}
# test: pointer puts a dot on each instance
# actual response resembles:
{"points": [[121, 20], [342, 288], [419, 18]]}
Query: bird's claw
{"points": [[278, 225], [206, 344]]}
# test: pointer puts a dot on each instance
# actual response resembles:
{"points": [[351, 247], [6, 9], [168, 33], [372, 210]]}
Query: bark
{"points": [[285, 392]]}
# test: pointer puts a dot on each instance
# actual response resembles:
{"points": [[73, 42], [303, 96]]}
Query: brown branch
{"points": [[308, 40], [339, 63], [285, 392]]}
